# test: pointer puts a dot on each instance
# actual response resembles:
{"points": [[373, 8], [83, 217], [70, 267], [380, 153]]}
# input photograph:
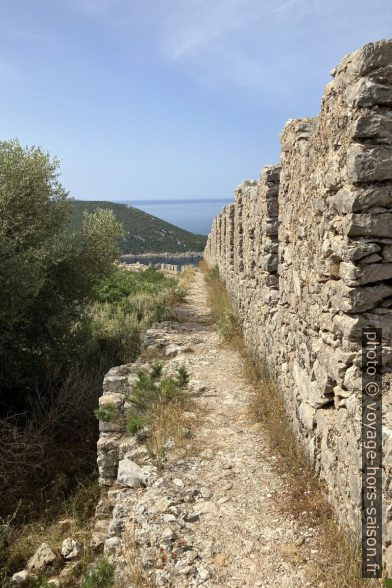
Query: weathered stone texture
{"points": [[312, 251]]}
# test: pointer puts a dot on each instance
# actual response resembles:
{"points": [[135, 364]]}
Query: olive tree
{"points": [[48, 271]]}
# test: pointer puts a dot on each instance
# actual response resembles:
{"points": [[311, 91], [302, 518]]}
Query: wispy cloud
{"points": [[198, 24], [216, 40]]}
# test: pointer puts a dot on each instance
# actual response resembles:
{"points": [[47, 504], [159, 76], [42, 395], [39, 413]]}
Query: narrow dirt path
{"points": [[238, 530]]}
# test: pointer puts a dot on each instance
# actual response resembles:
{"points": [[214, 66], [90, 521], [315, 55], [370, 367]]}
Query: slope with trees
{"points": [[143, 233]]}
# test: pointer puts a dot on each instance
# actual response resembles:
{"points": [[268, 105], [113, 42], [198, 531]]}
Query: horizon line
{"points": [[156, 201]]}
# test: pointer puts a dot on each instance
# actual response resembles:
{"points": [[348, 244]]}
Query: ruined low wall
{"points": [[179, 259], [306, 255], [167, 268]]}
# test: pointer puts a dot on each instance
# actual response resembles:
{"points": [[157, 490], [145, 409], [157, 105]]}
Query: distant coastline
{"points": [[186, 258], [194, 215], [172, 201]]}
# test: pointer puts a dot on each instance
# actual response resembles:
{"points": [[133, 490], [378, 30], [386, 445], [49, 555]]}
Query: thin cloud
{"points": [[197, 24]]}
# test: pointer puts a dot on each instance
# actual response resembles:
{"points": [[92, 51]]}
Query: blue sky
{"points": [[153, 99]]}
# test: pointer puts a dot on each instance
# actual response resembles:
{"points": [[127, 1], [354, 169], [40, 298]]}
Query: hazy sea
{"points": [[193, 215]]}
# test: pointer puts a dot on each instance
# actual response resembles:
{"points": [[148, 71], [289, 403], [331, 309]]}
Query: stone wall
{"points": [[155, 259], [306, 255], [166, 268]]}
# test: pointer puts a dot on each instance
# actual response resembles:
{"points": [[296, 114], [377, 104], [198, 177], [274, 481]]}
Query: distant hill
{"points": [[144, 233]]}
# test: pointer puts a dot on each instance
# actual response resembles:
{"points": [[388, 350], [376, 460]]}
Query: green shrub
{"points": [[127, 304], [123, 283], [219, 301], [136, 423], [107, 413], [153, 390], [212, 274], [101, 577], [228, 324], [115, 335], [182, 376], [156, 371], [48, 274]]}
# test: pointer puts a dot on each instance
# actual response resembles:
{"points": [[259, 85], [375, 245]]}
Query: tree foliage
{"points": [[47, 271]]}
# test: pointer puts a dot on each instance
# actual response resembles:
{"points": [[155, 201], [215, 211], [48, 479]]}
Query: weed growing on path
{"points": [[101, 577], [226, 319]]}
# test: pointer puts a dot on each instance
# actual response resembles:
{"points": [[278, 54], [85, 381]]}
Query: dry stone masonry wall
{"points": [[306, 255], [144, 519]]}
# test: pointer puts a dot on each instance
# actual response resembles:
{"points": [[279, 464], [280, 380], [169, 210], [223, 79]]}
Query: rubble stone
{"points": [[43, 557]]}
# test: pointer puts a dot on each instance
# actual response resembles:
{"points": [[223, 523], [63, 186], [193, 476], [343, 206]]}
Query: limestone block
{"points": [[352, 199], [365, 93], [114, 399], [306, 415], [374, 258], [373, 126], [269, 263], [110, 427], [324, 381], [114, 384], [369, 164], [309, 390], [351, 326], [70, 548], [42, 558], [332, 178], [349, 250], [108, 454], [130, 474], [23, 578], [271, 207], [387, 253], [353, 300], [368, 59], [353, 379], [354, 275], [270, 174], [272, 281], [334, 361], [366, 225], [271, 228]]}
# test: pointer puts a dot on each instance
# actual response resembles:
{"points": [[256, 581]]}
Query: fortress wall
{"points": [[308, 263]]}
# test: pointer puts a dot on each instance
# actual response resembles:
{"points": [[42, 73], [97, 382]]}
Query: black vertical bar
{"points": [[371, 453]]}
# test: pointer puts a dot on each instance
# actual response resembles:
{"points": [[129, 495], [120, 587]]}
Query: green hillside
{"points": [[144, 233]]}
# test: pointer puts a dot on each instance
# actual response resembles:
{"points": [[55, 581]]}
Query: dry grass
{"points": [[134, 574], [70, 518], [43, 453], [306, 498], [172, 431], [221, 308], [186, 277]]}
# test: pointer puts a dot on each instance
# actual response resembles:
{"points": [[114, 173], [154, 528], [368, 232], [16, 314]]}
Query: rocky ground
{"points": [[214, 518], [214, 514]]}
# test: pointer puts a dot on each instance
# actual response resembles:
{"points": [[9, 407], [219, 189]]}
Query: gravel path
{"points": [[241, 533], [214, 518]]}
